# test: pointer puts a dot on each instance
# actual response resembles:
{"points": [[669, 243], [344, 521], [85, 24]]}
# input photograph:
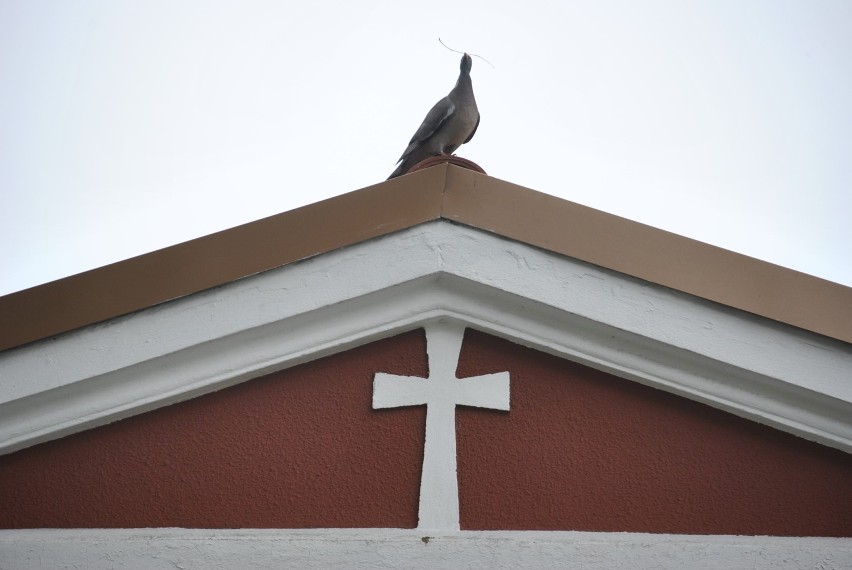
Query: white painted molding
{"points": [[765, 371], [152, 549], [441, 392]]}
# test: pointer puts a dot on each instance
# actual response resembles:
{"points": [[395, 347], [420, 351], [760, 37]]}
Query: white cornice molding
{"points": [[151, 549], [765, 371]]}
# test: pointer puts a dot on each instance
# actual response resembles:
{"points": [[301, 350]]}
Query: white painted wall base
{"points": [[151, 549]]}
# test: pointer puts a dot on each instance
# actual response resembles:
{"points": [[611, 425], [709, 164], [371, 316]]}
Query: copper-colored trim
{"points": [[444, 191], [648, 253], [222, 257], [446, 159]]}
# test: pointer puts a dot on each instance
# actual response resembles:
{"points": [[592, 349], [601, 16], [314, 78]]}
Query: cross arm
{"points": [[486, 391], [392, 391]]}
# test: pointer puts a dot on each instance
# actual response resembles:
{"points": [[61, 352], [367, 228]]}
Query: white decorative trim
{"points": [[765, 371], [441, 392], [152, 549]]}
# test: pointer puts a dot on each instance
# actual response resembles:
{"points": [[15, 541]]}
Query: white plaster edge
{"points": [[216, 364], [433, 249], [329, 304], [156, 548]]}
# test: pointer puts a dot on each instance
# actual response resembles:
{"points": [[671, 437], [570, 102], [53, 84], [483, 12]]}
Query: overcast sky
{"points": [[129, 126]]}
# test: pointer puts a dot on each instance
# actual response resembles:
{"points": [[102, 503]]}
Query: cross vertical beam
{"points": [[441, 392]]}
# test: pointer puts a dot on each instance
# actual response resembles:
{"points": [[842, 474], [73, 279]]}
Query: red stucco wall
{"points": [[585, 450], [295, 449], [579, 450]]}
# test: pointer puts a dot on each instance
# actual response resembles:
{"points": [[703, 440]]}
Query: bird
{"points": [[449, 124]]}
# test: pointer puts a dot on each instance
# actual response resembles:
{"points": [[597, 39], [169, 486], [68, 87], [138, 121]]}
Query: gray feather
{"points": [[448, 125]]}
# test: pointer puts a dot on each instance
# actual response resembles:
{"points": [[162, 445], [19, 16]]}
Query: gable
{"points": [[630, 318], [580, 449]]}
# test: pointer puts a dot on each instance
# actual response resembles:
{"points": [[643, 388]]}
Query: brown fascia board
{"points": [[147, 280], [651, 254], [443, 191]]}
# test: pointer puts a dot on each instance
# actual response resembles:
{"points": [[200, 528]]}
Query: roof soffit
{"points": [[756, 368]]}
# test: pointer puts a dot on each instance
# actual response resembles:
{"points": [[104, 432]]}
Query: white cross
{"points": [[441, 392]]}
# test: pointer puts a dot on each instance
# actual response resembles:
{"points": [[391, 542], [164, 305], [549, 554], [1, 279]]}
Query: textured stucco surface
{"points": [[301, 448], [296, 449], [585, 450]]}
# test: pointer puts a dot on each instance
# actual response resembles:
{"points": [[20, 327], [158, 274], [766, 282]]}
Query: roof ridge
{"points": [[447, 192]]}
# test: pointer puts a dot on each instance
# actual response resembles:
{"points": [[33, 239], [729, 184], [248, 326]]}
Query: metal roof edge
{"points": [[444, 191]]}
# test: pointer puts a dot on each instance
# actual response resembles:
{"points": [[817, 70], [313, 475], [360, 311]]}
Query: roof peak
{"points": [[448, 192]]}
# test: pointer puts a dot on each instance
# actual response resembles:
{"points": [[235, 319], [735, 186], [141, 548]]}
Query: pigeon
{"points": [[451, 123]]}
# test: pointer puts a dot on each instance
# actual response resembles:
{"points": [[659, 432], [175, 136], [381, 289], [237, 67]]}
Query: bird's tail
{"points": [[408, 161], [401, 169]]}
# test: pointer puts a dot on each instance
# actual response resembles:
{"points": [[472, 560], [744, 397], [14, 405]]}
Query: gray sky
{"points": [[130, 126]]}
